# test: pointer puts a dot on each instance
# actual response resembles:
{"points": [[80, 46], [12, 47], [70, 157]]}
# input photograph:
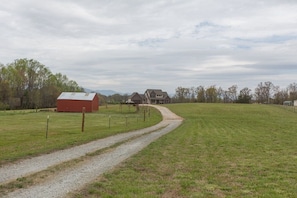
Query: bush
{"points": [[3, 106]]}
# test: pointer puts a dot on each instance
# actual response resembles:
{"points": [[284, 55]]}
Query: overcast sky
{"points": [[133, 45]]}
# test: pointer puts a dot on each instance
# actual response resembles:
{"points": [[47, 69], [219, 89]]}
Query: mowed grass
{"points": [[221, 150], [23, 132]]}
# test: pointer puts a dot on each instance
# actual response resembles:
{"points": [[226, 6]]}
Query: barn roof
{"points": [[76, 96]]}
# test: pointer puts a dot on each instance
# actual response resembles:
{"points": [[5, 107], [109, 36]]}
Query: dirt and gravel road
{"points": [[74, 178]]}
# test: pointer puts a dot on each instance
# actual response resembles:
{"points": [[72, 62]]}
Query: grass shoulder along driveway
{"points": [[23, 132], [220, 150]]}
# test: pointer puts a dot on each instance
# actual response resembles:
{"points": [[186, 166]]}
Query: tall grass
{"points": [[221, 150], [23, 133]]}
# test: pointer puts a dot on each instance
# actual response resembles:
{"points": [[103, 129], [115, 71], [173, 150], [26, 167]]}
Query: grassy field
{"points": [[221, 150], [23, 132]]}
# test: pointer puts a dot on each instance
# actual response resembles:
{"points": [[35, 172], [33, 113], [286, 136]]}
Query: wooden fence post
{"points": [[109, 121], [47, 121], [144, 115], [83, 119]]}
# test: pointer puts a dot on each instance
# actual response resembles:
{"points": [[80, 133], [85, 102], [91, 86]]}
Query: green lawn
{"points": [[221, 150], [23, 132]]}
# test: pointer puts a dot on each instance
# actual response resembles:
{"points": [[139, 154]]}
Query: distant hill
{"points": [[107, 92], [102, 92]]}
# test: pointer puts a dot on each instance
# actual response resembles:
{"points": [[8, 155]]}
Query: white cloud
{"points": [[134, 45]]}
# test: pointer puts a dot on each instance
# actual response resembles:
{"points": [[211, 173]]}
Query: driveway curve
{"points": [[75, 178]]}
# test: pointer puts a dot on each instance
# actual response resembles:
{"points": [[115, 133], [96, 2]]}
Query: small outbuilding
{"points": [[75, 101], [136, 98], [287, 103]]}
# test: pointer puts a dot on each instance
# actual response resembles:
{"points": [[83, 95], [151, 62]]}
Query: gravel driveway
{"points": [[75, 178]]}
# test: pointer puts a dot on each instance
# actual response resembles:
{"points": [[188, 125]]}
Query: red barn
{"points": [[75, 101]]}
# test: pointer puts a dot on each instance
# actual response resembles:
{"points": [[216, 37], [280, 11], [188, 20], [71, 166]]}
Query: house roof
{"points": [[142, 96], [154, 90], [158, 92], [136, 93], [165, 94], [133, 94], [76, 96]]}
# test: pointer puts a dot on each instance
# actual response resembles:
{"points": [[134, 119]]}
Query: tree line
{"points": [[29, 84], [112, 99], [264, 93]]}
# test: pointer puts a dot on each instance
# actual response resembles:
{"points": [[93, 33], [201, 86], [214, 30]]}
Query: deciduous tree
{"points": [[201, 95], [29, 84], [280, 95], [244, 96], [211, 94], [292, 89]]}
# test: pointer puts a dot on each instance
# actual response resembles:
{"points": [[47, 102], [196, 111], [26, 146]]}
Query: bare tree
{"points": [[244, 96], [220, 94], [280, 95], [201, 95], [193, 94], [268, 90], [263, 92], [182, 94], [233, 93], [211, 94], [292, 89]]}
